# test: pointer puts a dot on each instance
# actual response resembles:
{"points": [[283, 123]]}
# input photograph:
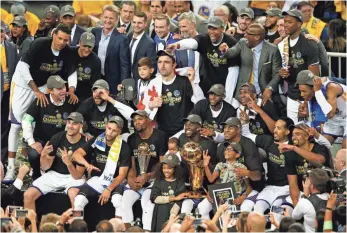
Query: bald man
{"points": [[256, 222], [340, 163]]}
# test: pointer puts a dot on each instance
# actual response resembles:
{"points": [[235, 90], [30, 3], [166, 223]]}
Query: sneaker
{"points": [[10, 175]]}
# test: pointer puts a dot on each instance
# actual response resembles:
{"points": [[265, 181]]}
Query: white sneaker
{"points": [[10, 175]]}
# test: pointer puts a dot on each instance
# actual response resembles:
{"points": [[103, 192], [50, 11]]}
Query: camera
{"points": [[277, 209], [20, 213]]}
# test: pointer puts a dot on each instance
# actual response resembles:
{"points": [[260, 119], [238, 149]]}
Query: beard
{"points": [[271, 26]]}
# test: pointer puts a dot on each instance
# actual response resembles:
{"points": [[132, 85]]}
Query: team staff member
{"points": [[49, 120], [272, 16], [61, 171], [302, 54], [45, 57], [108, 163], [49, 21], [99, 108], [88, 66], [145, 141]]}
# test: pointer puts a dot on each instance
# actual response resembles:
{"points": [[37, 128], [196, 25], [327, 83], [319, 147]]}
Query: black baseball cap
{"points": [[232, 121], [305, 77], [140, 113], [236, 146]]}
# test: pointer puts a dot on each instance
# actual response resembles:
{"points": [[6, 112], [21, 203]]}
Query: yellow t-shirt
{"points": [[314, 26], [32, 20], [90, 7], [4, 14], [262, 4]]}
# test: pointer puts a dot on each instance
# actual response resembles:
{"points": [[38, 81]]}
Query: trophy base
{"points": [[195, 195]]}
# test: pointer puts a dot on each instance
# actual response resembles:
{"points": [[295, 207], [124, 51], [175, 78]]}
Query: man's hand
{"points": [[253, 105], [90, 168], [119, 87], [306, 186], [41, 99], [37, 146], [121, 30], [206, 158], [332, 200], [317, 84], [285, 147], [65, 156], [231, 31], [277, 40], [156, 103], [42, 25], [267, 94], [88, 136], [141, 180], [241, 172], [73, 98], [240, 199], [312, 37], [207, 132], [303, 109], [191, 74], [244, 116], [284, 72], [47, 149], [223, 47], [187, 223], [134, 185], [173, 46], [103, 94], [66, 216], [104, 197], [181, 196]]}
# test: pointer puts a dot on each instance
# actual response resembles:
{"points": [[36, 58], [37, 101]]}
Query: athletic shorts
{"points": [[90, 193], [335, 127], [53, 181], [20, 100], [270, 193]]}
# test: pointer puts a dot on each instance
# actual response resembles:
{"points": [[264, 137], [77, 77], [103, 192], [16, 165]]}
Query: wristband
{"points": [[328, 225], [108, 189], [327, 208]]}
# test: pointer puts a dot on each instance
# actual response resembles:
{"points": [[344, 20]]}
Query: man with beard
{"points": [[100, 107], [62, 171], [20, 35], [48, 120], [45, 57], [250, 158], [215, 68], [109, 162], [213, 112], [272, 16], [88, 66], [67, 17], [300, 157], [298, 54], [48, 22], [146, 141], [192, 127], [245, 18], [261, 117], [326, 104], [260, 62]]}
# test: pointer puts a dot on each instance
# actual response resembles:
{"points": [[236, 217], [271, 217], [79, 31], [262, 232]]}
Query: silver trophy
{"points": [[143, 157]]}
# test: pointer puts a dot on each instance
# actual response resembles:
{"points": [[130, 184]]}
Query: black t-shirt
{"points": [[276, 171], [98, 158], [43, 63], [238, 36], [50, 119], [257, 125], [88, 71], [202, 108], [156, 144], [250, 158], [295, 164], [96, 120], [176, 105], [301, 56], [59, 140], [206, 144], [215, 68], [272, 38]]}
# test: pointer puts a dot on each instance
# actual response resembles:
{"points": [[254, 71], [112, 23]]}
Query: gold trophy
{"points": [[143, 157], [191, 153]]}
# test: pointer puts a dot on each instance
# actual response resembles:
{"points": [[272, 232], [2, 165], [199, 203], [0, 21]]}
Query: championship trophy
{"points": [[191, 153], [143, 157]]}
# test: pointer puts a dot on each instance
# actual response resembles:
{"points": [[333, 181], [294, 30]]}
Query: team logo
{"points": [[298, 55], [65, 115], [204, 11], [87, 70], [152, 147], [171, 192], [130, 88], [80, 69], [177, 93]]}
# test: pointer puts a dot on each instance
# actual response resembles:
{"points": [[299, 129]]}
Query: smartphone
{"points": [[277, 209], [77, 214], [235, 214], [197, 222], [13, 207], [267, 217], [20, 213], [5, 221]]}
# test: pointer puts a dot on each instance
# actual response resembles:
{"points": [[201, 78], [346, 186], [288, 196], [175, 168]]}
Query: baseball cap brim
{"points": [[20, 24], [68, 13], [214, 25], [248, 15], [136, 113], [184, 120], [284, 13]]}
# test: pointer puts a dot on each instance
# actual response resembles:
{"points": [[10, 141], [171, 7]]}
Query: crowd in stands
{"points": [[145, 116]]}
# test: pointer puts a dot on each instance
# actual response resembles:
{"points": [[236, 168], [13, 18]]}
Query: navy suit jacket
{"points": [[145, 48], [76, 38], [117, 62]]}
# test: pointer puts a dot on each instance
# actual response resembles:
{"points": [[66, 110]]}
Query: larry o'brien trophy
{"points": [[143, 158], [191, 153]]}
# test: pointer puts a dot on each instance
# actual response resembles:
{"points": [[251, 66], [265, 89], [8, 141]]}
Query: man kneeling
{"points": [[111, 161], [62, 172]]}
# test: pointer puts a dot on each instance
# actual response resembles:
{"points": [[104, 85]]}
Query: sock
{"points": [[11, 162]]}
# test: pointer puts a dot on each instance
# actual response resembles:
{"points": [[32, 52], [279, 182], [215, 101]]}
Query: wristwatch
{"points": [[270, 88]]}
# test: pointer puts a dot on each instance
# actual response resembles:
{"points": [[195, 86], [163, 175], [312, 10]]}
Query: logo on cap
{"points": [[89, 37], [17, 18], [73, 114], [169, 157], [57, 79], [310, 74]]}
